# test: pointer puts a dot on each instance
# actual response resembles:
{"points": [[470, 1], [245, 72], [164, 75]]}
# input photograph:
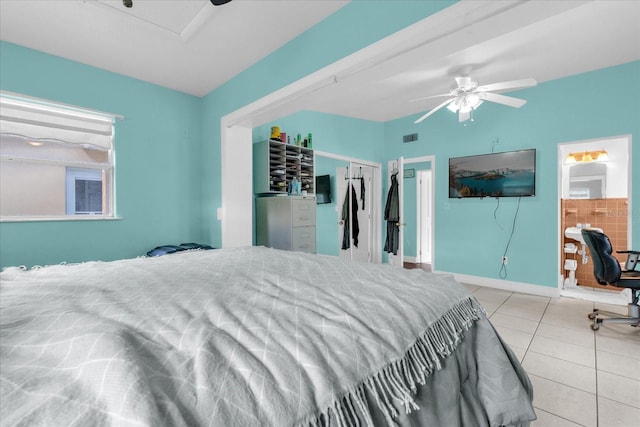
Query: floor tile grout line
{"points": [[617, 373], [566, 385], [620, 403], [559, 416], [595, 349], [563, 360], [537, 327], [612, 398], [518, 317]]}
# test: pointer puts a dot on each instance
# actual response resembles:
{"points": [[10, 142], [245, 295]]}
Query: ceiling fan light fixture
{"points": [[473, 100], [468, 96], [464, 103]]}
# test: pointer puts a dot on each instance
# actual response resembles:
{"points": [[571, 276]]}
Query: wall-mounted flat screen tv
{"points": [[323, 189], [506, 174]]}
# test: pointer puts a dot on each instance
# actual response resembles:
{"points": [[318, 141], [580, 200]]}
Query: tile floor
{"points": [[580, 377]]}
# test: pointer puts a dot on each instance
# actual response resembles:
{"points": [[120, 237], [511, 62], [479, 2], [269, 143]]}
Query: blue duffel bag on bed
{"points": [[171, 249]]}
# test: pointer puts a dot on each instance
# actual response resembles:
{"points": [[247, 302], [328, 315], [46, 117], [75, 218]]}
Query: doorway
{"points": [[332, 237], [355, 213], [418, 199], [594, 180]]}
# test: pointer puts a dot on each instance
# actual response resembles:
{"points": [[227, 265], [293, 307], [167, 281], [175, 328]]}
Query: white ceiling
{"points": [[186, 45], [194, 47], [493, 42]]}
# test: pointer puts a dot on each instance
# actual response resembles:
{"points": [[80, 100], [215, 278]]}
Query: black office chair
{"points": [[607, 270]]}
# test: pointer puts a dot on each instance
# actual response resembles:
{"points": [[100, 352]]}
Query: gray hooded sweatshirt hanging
{"points": [[392, 216]]}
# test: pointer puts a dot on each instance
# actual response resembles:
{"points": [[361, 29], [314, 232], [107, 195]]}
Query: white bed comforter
{"points": [[236, 337]]}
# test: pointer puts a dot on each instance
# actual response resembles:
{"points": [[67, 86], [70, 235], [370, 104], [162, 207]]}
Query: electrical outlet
{"points": [[505, 260]]}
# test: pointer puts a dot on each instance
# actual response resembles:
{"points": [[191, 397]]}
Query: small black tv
{"points": [[323, 189], [505, 174]]}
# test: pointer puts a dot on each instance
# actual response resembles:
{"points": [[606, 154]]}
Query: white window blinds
{"points": [[47, 151], [41, 122]]}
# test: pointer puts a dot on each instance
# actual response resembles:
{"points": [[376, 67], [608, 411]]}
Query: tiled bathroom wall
{"points": [[611, 215]]}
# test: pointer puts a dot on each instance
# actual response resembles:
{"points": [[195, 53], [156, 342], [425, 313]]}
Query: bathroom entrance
{"points": [[594, 179]]}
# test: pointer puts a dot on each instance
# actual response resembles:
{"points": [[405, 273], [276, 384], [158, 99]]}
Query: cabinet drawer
{"points": [[303, 212], [303, 239]]}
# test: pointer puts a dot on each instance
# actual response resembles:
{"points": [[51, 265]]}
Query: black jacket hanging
{"points": [[354, 217], [392, 216]]}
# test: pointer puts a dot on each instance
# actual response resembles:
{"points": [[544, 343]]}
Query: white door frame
{"points": [[236, 212], [561, 159], [432, 160], [376, 198], [424, 203]]}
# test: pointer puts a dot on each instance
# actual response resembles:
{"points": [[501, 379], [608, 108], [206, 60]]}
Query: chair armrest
{"points": [[632, 259]]}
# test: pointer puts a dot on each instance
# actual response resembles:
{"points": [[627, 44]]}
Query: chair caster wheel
{"points": [[592, 316], [595, 327]]}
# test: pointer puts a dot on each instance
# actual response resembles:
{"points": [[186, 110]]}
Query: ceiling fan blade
{"points": [[463, 117], [513, 84], [502, 99], [432, 96], [430, 112]]}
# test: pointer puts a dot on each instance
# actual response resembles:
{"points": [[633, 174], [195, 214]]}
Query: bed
{"points": [[250, 337]]}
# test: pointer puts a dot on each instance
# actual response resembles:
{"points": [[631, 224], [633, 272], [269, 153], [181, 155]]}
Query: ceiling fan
{"points": [[467, 96], [129, 3]]}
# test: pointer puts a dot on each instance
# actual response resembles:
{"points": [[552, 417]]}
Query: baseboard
{"points": [[507, 285], [411, 259]]}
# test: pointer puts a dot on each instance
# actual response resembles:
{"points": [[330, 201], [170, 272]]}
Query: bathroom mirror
{"points": [[587, 181]]}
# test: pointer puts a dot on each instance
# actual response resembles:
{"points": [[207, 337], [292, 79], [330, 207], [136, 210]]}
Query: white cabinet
{"points": [[275, 164], [286, 222]]}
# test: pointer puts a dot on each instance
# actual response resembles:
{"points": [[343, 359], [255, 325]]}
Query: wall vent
{"points": [[410, 138]]}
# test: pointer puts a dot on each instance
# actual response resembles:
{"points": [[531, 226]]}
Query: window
{"points": [[56, 161], [84, 191]]}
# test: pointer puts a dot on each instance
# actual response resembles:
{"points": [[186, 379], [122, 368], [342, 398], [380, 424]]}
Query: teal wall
{"points": [[168, 149], [468, 238], [158, 168], [328, 238]]}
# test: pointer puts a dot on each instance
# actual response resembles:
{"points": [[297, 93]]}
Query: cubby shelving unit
{"points": [[275, 164]]}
